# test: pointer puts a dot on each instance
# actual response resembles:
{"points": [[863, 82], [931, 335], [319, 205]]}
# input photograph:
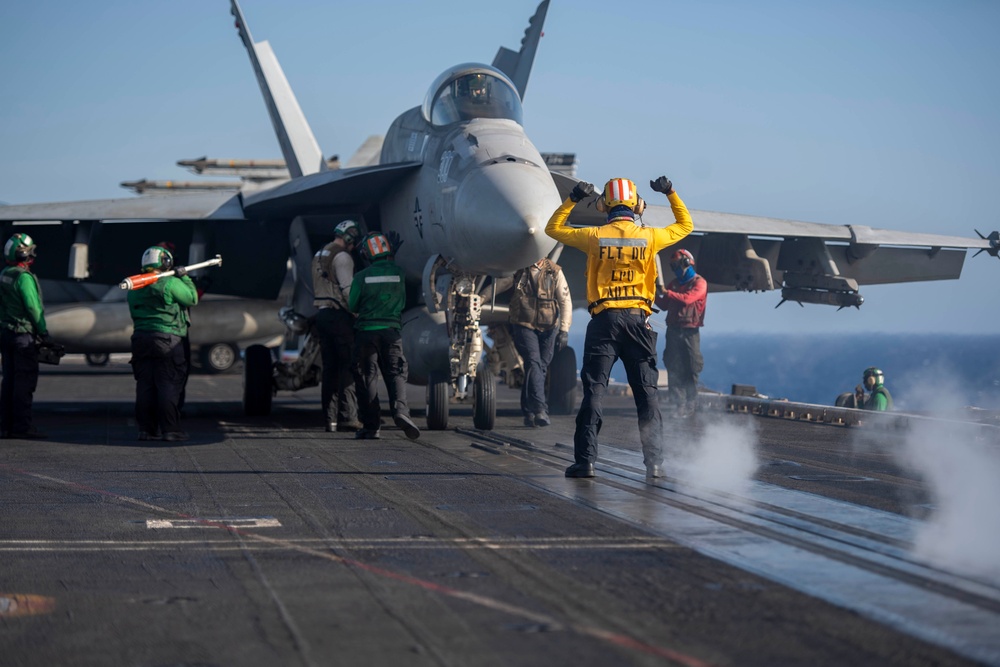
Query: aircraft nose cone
{"points": [[500, 214]]}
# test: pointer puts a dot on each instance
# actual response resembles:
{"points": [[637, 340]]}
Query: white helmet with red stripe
{"points": [[621, 192]]}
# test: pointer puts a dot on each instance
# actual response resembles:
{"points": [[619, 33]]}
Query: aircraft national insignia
{"points": [[418, 217]]}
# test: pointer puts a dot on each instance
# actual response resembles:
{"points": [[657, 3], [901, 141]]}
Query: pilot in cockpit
{"points": [[475, 88]]}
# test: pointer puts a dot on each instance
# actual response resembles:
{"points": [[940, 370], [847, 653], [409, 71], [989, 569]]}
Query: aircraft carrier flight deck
{"points": [[267, 541]]}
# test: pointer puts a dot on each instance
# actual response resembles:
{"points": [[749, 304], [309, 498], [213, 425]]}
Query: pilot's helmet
{"points": [[19, 248], [873, 377], [474, 87], [157, 258], [478, 86], [681, 259], [376, 246], [349, 231]]}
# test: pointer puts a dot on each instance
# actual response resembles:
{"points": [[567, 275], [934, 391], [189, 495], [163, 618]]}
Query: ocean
{"points": [[924, 372]]}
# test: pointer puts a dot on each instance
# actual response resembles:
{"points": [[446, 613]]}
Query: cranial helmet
{"points": [[157, 258], [681, 259], [376, 246], [875, 374], [620, 192], [348, 230], [19, 248]]}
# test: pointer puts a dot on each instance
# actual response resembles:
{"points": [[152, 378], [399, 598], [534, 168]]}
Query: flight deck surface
{"points": [[265, 541]]}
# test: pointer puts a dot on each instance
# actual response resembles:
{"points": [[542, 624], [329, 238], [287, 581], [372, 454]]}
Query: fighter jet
{"points": [[469, 194]]}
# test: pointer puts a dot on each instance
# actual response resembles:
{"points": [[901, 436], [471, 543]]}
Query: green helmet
{"points": [[348, 230], [376, 246], [19, 248], [157, 258], [872, 372]]}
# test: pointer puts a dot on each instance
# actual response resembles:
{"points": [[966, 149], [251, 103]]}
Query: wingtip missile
{"points": [[994, 239]]}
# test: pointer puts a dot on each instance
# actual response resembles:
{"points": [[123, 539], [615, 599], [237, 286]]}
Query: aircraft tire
{"points": [[219, 358], [98, 358], [438, 387], [484, 405], [562, 382], [258, 381]]}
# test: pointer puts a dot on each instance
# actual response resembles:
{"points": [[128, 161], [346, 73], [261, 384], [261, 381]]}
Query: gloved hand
{"points": [[394, 241], [562, 340], [581, 191], [180, 271], [859, 395], [662, 184], [661, 300]]}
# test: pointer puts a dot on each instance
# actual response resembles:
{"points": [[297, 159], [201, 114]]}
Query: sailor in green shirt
{"points": [[159, 318], [879, 399], [378, 295], [22, 327]]}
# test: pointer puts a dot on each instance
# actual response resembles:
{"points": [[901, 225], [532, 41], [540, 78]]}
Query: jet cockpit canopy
{"points": [[472, 90]]}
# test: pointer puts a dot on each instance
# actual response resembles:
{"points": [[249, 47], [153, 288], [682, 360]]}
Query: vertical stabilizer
{"points": [[298, 145], [517, 65]]}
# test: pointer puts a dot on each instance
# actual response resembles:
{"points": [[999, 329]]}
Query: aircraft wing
{"points": [[194, 206], [103, 239], [810, 262], [333, 191]]}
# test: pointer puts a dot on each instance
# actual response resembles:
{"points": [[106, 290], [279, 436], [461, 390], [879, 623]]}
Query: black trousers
{"points": [[159, 369], [536, 349], [611, 335], [335, 329], [683, 360], [380, 350], [20, 378]]}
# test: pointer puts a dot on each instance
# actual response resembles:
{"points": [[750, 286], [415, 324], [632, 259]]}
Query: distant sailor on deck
{"points": [[879, 399]]}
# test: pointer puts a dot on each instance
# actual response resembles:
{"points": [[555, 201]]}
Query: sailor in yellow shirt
{"points": [[621, 286]]}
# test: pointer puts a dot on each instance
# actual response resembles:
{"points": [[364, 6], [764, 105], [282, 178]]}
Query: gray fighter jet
{"points": [[458, 179]]}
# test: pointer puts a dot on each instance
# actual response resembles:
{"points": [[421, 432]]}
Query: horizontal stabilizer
{"points": [[368, 153]]}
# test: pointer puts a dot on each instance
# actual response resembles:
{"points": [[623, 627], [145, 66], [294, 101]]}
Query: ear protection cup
{"points": [[640, 206], [600, 205]]}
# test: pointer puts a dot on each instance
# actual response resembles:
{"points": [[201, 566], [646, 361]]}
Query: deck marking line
{"points": [[263, 522], [617, 639]]}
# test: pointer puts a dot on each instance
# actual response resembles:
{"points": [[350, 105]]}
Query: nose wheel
{"points": [[438, 392], [484, 403]]}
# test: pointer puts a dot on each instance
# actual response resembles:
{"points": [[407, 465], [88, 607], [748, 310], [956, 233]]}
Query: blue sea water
{"points": [[922, 371]]}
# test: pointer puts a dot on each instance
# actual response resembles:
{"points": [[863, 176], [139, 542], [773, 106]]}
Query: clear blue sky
{"points": [[877, 113]]}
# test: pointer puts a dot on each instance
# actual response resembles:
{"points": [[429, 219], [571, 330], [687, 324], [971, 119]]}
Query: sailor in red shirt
{"points": [[684, 301]]}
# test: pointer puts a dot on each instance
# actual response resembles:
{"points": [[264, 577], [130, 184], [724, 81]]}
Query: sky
{"points": [[876, 112]]}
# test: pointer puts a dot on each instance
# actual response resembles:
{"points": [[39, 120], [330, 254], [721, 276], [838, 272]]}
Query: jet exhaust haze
{"points": [[723, 459], [961, 471]]}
